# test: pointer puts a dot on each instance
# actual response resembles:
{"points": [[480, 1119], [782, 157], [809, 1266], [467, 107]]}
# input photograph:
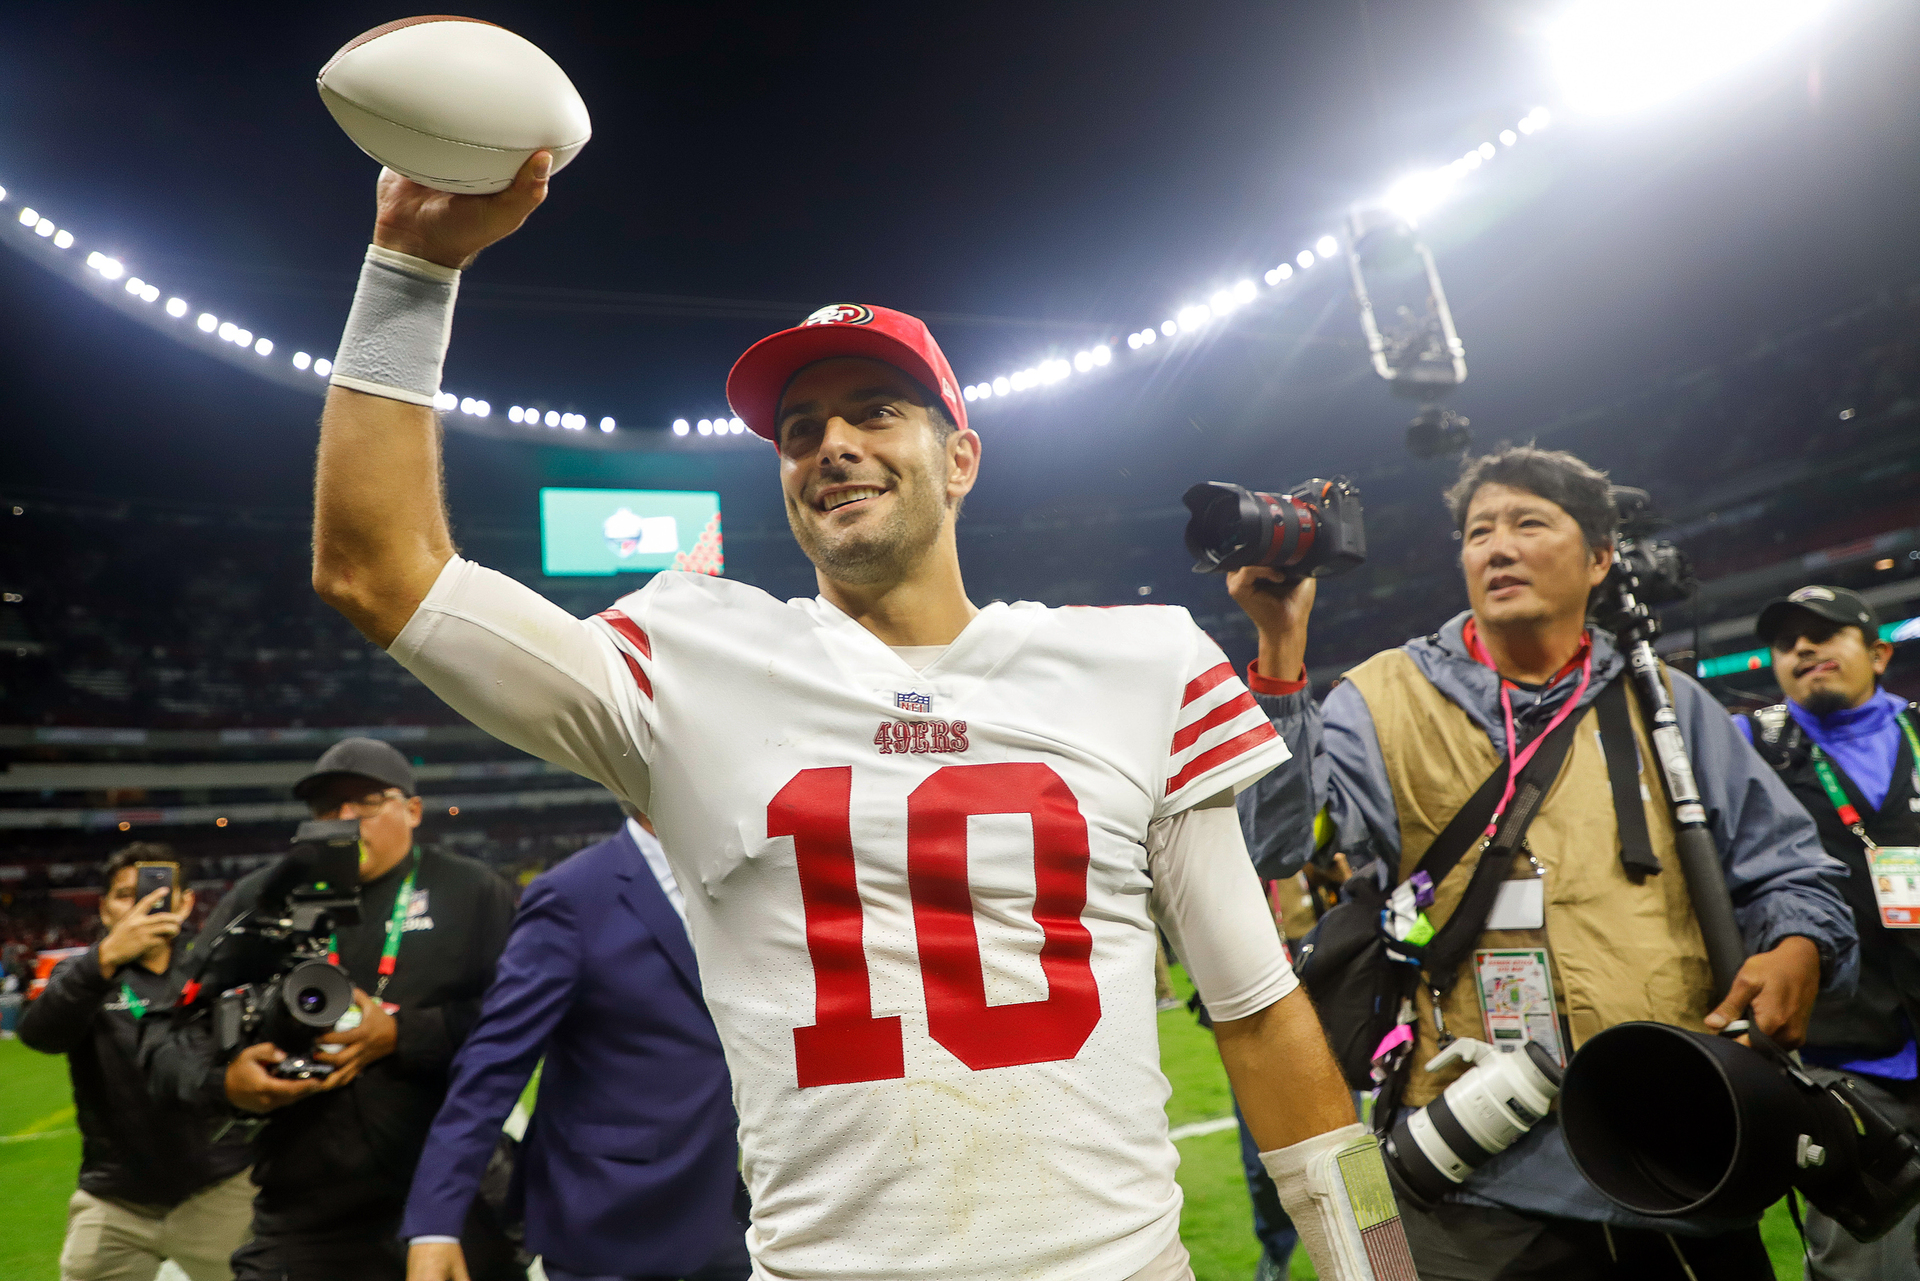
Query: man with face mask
{"points": [[1848, 750], [336, 1153], [916, 838], [1597, 928]]}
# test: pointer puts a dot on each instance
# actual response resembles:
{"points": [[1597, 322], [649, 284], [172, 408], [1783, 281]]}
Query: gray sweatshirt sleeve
{"points": [[1336, 765], [1782, 882]]}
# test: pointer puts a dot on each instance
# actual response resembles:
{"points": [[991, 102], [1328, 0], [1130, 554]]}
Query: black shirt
{"points": [[1879, 1018], [133, 1148], [342, 1160]]}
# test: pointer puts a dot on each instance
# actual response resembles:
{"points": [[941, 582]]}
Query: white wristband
{"points": [[1334, 1187], [397, 333]]}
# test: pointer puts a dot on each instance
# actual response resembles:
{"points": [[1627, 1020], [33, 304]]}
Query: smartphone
{"points": [[156, 876]]}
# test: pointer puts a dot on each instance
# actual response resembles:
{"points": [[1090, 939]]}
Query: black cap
{"points": [[1835, 604], [367, 757]]}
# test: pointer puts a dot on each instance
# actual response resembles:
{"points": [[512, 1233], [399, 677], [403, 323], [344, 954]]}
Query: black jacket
{"points": [[132, 1148], [340, 1162], [1880, 1017]]}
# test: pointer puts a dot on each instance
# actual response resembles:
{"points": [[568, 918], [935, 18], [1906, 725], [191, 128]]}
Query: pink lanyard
{"points": [[1517, 761]]}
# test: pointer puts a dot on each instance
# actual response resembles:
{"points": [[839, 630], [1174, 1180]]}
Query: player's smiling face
{"points": [[870, 486]]}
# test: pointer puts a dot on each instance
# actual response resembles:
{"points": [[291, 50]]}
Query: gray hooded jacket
{"points": [[1782, 882]]}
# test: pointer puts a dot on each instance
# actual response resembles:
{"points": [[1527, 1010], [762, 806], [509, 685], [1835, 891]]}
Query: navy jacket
{"points": [[630, 1164]]}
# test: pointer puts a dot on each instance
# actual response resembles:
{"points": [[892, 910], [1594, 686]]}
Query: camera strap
{"points": [[1450, 945], [1622, 751], [396, 926]]}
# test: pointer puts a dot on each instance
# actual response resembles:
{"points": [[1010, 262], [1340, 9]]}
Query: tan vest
{"points": [[1620, 951]]}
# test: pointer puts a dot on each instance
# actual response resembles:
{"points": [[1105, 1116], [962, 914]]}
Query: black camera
{"points": [[1313, 530], [1656, 571], [1728, 1129], [270, 965]]}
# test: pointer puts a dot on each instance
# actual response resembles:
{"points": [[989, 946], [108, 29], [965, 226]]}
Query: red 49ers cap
{"points": [[842, 329]]}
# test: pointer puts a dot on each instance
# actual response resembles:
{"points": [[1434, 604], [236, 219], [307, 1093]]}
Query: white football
{"points": [[455, 103]]}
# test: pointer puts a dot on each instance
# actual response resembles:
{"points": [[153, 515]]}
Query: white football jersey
{"points": [[918, 899]]}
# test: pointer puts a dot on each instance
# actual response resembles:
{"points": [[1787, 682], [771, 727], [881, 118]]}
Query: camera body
{"points": [[271, 965], [1313, 530]]}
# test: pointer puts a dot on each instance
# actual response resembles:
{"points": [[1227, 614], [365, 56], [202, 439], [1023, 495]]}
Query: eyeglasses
{"points": [[362, 806]]}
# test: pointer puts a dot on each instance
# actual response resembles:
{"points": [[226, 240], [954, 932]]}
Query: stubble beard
{"points": [[877, 552]]}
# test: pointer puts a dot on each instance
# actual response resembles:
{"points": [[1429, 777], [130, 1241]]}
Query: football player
{"points": [[919, 839]]}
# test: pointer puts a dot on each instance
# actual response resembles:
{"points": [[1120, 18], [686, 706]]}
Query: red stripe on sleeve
{"points": [[639, 677], [1188, 735], [629, 629], [1206, 681], [1235, 746]]}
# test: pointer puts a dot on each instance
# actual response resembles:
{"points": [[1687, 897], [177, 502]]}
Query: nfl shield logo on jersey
{"points": [[911, 702]]}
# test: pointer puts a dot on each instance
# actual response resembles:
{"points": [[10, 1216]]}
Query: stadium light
{"points": [[1412, 197], [1618, 56]]}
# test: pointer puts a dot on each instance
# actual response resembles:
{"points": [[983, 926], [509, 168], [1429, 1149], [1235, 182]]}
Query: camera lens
{"points": [[311, 1000]]}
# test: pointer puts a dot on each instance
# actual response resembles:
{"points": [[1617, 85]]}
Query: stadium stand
{"points": [[166, 672]]}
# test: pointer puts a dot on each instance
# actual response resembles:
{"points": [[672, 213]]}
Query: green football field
{"points": [[40, 1153]]}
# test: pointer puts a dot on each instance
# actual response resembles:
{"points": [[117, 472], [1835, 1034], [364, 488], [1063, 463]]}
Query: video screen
{"points": [[602, 532]]}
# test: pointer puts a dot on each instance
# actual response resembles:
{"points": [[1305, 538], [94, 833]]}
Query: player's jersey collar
{"points": [[988, 640]]}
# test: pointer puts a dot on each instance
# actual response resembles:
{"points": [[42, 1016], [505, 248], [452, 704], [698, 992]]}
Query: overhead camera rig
{"points": [[1416, 350]]}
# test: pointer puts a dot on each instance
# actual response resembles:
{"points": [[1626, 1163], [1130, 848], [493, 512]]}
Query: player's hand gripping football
{"points": [[451, 229], [1279, 607]]}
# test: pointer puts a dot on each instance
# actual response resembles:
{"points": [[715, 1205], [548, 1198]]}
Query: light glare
{"points": [[323, 367], [301, 360], [1326, 246], [208, 322], [63, 240], [176, 307], [1615, 56], [679, 426], [606, 424], [1304, 258], [28, 217], [264, 346]]}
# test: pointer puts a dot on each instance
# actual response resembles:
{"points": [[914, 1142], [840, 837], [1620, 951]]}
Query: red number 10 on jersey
{"points": [[847, 1043]]}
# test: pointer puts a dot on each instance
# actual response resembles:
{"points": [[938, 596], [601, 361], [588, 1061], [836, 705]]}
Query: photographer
{"points": [[152, 1187], [1846, 749], [336, 1154], [1412, 734]]}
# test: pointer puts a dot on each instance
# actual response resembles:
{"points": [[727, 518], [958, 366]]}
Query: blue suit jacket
{"points": [[629, 1166]]}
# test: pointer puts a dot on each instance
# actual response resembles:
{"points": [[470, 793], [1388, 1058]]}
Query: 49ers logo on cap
{"points": [[841, 313]]}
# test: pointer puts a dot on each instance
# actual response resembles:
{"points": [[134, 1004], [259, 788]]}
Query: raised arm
{"points": [[380, 532]]}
